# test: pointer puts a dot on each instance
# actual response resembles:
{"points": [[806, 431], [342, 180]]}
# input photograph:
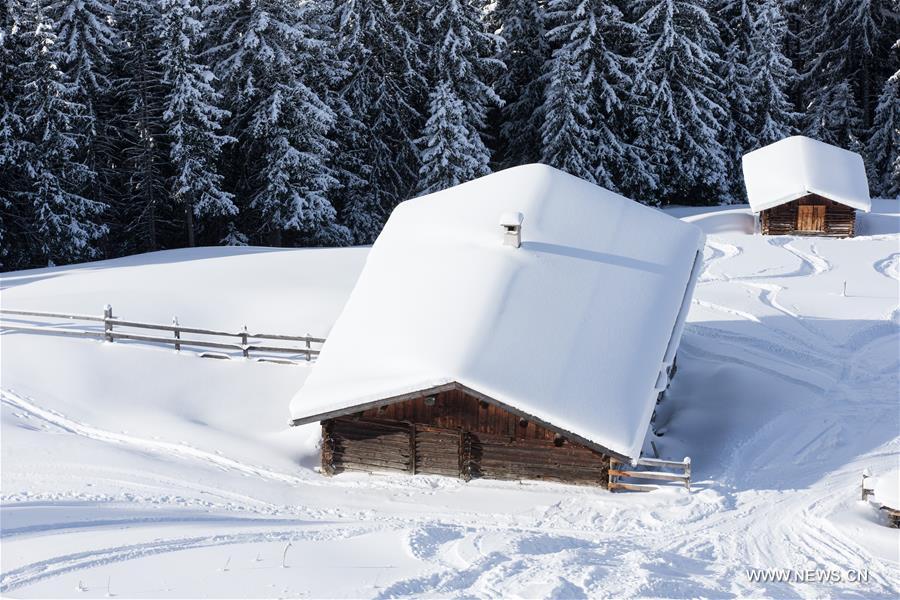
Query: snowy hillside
{"points": [[134, 471]]}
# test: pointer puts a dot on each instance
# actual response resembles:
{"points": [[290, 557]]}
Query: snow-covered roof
{"points": [[574, 328], [887, 489], [798, 166]]}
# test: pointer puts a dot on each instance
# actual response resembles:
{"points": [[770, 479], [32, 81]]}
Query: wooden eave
{"points": [[332, 414], [806, 194]]}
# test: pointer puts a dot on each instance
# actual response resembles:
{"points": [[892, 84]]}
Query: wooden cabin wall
{"points": [[459, 436], [779, 220], [840, 220]]}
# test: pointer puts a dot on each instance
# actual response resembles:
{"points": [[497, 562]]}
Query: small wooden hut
{"points": [[800, 186], [505, 328]]}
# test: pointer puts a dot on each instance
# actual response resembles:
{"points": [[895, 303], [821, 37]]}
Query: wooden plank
{"points": [[54, 331], [141, 325], [375, 438], [303, 351], [291, 338], [372, 443], [370, 465], [340, 456], [162, 340], [648, 475], [545, 457], [632, 487], [362, 446], [802, 217], [658, 462], [56, 315], [818, 216], [494, 468]]}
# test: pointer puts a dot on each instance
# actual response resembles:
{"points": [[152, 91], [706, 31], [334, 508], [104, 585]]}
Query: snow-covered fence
{"points": [[618, 470], [248, 341]]}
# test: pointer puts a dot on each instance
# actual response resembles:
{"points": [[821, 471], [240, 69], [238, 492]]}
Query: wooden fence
{"points": [[619, 470], [245, 343]]}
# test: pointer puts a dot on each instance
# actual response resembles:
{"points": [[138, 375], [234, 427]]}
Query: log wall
{"points": [[790, 219], [457, 435]]}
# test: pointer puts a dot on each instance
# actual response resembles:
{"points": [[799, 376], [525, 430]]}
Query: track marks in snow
{"points": [[170, 449], [695, 351], [59, 565], [768, 295], [889, 267], [811, 263], [725, 310], [719, 252]]}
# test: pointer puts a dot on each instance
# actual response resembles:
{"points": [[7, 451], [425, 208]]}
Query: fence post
{"points": [[107, 322], [308, 347], [866, 492], [687, 472], [177, 333], [244, 342]]}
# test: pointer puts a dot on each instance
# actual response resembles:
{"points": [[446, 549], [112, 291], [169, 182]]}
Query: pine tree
{"points": [[452, 152], [598, 41], [683, 106], [521, 85], [883, 149], [192, 117], [568, 138], [464, 65], [376, 157], [13, 221], [85, 38], [86, 41], [833, 116], [845, 54], [736, 18], [772, 112], [65, 224], [275, 66], [139, 183]]}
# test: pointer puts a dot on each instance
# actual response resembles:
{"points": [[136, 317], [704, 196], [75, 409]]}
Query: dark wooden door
{"points": [[810, 217]]}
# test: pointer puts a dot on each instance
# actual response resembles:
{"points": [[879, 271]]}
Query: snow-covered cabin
{"points": [[806, 187], [521, 325]]}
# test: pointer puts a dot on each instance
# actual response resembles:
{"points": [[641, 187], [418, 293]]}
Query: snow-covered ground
{"points": [[133, 471]]}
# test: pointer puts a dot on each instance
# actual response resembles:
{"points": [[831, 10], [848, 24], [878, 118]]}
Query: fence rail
{"points": [[246, 342], [618, 470]]}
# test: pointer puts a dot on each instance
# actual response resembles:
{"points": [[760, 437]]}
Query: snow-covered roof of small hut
{"points": [[574, 328], [887, 489], [798, 166]]}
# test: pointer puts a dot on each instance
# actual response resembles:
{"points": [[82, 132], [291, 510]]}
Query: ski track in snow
{"points": [[719, 252], [699, 545], [889, 267], [810, 264], [59, 565], [725, 309]]}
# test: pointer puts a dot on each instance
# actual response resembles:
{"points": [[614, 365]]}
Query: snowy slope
{"points": [[134, 471]]}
